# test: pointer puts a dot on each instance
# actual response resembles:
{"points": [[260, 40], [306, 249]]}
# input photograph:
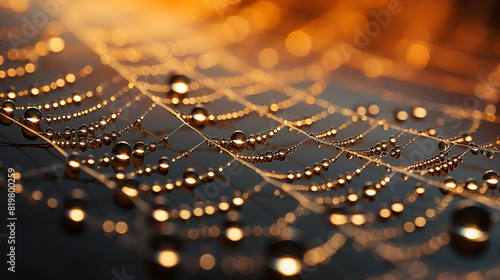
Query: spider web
{"points": [[270, 198]]}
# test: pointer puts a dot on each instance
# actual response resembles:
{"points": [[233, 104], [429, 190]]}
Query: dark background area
{"points": [[44, 250]]}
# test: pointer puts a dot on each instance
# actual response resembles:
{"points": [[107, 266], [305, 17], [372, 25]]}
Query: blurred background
{"points": [[416, 66]]}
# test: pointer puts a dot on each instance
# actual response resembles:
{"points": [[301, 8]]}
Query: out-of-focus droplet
{"points": [[190, 178], [179, 84], [286, 255], [165, 256], [470, 228], [198, 117], [125, 194], [72, 168], [75, 209]]}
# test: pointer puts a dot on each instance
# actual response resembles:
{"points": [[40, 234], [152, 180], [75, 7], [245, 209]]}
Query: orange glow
{"points": [[269, 57], [288, 266], [235, 28], [130, 191], [417, 56], [121, 227], [270, 12], [168, 258], [234, 234], [298, 43], [160, 215], [238, 201], [338, 219], [56, 44], [180, 87], [207, 261], [108, 226], [373, 68], [76, 215]]}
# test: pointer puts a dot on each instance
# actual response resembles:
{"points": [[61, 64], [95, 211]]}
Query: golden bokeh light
{"points": [[130, 191], [108, 226], [76, 215], [373, 68], [160, 215], [419, 112], [298, 43], [207, 261], [288, 266], [52, 203], [234, 234], [121, 227], [56, 44], [168, 258], [338, 219], [300, 117], [269, 57], [235, 28], [417, 56]]}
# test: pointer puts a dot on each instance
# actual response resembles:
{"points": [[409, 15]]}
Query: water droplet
{"points": [[49, 133], [474, 149], [470, 228], [443, 146], [251, 141], [152, 146], [72, 168], [179, 84], [8, 107], [491, 178], [102, 123], [369, 191], [198, 117], [308, 173], [163, 166], [419, 189], [121, 158], [114, 135], [233, 232], [281, 154], [82, 131], [166, 254], [238, 140], [66, 133], [448, 185], [286, 257], [125, 194], [91, 130], [139, 148], [268, 157], [138, 155], [490, 155], [471, 185], [190, 178], [106, 139], [75, 211], [31, 123], [82, 144]]}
